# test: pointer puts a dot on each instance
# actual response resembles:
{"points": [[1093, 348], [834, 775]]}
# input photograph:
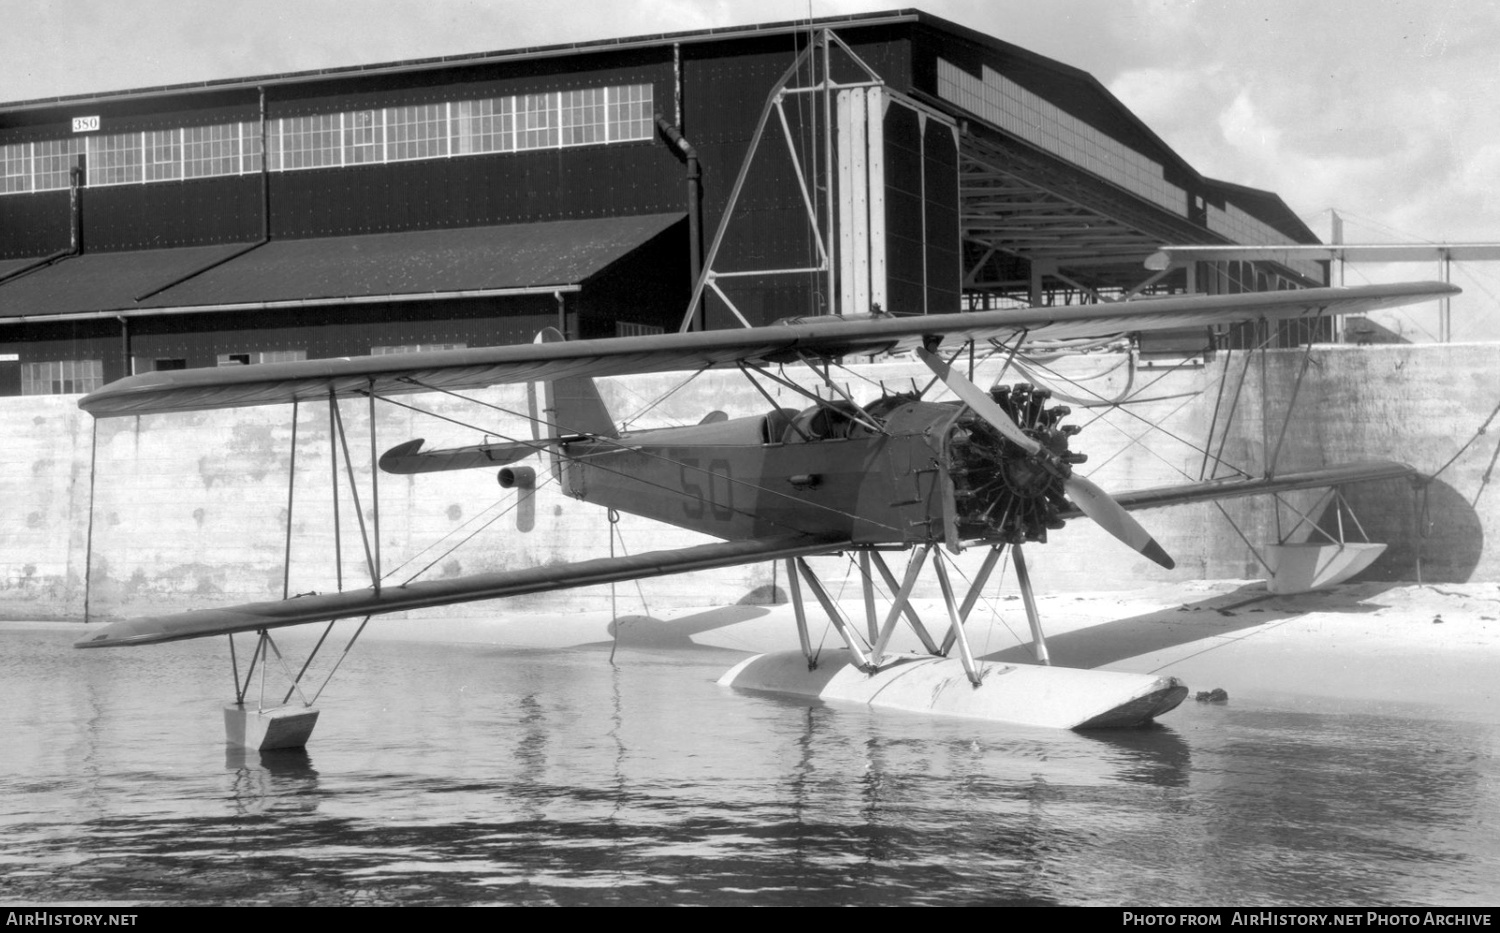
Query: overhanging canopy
{"points": [[414, 265]]}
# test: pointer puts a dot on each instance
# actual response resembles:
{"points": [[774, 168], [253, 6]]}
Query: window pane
{"points": [[483, 126], [419, 132], [583, 117], [163, 153], [416, 348], [630, 112], [63, 377], [536, 121], [114, 160], [310, 142], [15, 168], [250, 147], [362, 137], [211, 150]]}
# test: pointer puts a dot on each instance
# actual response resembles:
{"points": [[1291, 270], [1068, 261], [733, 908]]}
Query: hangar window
{"points": [[632, 329], [15, 167], [583, 117], [364, 140], [261, 356], [51, 159], [309, 142], [163, 153], [416, 348], [592, 116], [114, 160], [419, 132], [536, 121], [630, 112], [484, 126], [61, 377], [211, 150]]}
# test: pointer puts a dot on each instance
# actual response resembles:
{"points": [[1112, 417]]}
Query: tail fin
{"points": [[573, 404]]}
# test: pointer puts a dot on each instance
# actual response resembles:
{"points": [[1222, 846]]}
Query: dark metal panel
{"points": [[67, 340], [650, 286], [944, 245], [905, 222], [173, 213], [540, 185], [37, 224]]}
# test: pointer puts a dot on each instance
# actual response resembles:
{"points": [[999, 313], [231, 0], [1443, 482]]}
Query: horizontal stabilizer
{"points": [[411, 458], [148, 630]]}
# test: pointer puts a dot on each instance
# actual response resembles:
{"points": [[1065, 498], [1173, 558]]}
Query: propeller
{"points": [[1090, 499]]}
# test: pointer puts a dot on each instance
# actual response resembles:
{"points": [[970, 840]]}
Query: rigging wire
{"points": [[662, 398], [1119, 404]]}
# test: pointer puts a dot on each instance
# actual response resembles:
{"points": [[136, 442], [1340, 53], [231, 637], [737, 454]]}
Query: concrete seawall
{"points": [[162, 513]]}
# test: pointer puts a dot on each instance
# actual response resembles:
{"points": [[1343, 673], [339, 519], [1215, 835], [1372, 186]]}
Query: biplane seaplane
{"points": [[900, 473]]}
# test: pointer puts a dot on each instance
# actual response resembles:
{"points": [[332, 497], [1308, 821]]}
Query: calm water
{"points": [[444, 774]]}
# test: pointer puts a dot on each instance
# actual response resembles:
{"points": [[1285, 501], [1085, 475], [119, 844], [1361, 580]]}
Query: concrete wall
{"points": [[191, 510]]}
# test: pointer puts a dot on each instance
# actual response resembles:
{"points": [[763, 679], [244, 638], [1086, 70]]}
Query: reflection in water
{"points": [[262, 782], [454, 774]]}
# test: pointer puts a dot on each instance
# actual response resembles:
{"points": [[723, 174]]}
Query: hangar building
{"points": [[890, 162]]}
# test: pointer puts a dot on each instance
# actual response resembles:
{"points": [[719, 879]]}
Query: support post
{"points": [[291, 485], [902, 604], [375, 488], [1023, 578], [975, 590], [794, 591], [867, 586], [88, 547], [956, 624], [835, 615], [359, 511], [333, 466]]}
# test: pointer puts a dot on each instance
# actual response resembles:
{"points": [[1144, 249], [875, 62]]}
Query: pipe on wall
{"points": [[694, 201]]}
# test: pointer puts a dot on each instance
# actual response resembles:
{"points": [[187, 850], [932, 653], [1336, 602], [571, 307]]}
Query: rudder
{"points": [[572, 404]]}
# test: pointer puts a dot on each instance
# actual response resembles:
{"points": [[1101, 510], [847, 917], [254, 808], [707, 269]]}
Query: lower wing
{"points": [[1239, 487], [201, 623]]}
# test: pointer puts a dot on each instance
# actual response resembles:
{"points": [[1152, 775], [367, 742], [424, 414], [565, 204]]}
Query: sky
{"points": [[1382, 110]]}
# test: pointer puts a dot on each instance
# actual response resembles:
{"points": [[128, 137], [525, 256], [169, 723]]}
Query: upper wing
{"points": [[454, 370], [201, 623]]}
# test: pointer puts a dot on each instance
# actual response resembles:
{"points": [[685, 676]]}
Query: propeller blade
{"points": [[1091, 500], [1112, 517], [979, 400]]}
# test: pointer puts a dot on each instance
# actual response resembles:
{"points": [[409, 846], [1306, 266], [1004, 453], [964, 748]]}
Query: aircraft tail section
{"points": [[573, 404]]}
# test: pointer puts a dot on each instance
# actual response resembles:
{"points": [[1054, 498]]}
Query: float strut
{"points": [[956, 624], [794, 591], [835, 615], [902, 603], [1038, 640]]}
